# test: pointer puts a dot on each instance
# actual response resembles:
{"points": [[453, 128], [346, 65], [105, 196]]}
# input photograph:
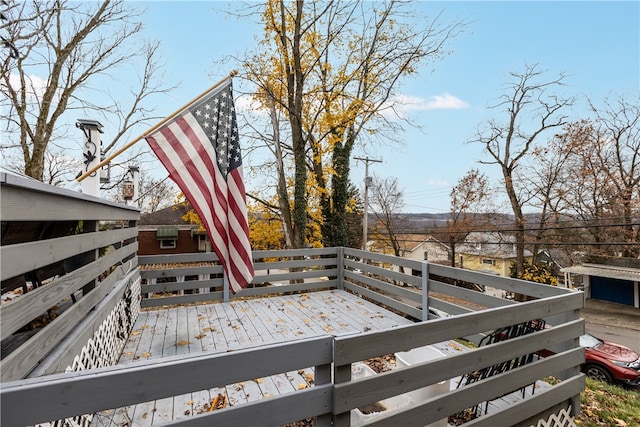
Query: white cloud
{"points": [[402, 105], [445, 101], [34, 85]]}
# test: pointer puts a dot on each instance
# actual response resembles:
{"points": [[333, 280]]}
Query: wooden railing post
{"points": [[323, 376], [225, 287], [341, 374], [425, 291], [340, 260]]}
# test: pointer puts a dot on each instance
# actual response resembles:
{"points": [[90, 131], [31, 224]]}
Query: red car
{"points": [[610, 362]]}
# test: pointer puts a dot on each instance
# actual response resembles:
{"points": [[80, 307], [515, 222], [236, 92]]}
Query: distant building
{"points": [[165, 232], [423, 247], [490, 252], [617, 281]]}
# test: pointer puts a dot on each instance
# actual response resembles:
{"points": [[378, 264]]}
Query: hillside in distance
{"points": [[427, 222]]}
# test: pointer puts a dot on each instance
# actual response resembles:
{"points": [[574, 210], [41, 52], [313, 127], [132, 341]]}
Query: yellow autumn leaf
{"points": [[145, 354], [182, 343], [302, 386]]}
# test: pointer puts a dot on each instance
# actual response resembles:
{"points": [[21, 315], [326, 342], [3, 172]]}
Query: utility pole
{"points": [[367, 182]]}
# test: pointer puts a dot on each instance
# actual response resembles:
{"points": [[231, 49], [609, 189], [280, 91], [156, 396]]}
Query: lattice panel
{"points": [[562, 419], [106, 344]]}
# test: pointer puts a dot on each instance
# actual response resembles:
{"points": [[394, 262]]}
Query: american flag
{"points": [[201, 152]]}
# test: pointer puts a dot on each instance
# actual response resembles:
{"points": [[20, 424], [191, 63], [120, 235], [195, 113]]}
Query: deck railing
{"points": [[110, 279], [68, 263]]}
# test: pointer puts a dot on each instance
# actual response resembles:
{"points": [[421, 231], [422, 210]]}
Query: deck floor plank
{"points": [[170, 339], [207, 340]]}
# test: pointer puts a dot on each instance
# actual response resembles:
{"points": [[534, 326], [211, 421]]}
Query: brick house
{"points": [[165, 232]]}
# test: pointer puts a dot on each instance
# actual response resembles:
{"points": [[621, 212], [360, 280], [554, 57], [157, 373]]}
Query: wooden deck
{"points": [[221, 327]]}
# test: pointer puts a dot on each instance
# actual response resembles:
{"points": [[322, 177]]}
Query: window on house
{"points": [[167, 236], [167, 244], [488, 261]]}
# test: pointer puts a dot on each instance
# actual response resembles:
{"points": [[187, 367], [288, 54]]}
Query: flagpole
{"points": [[152, 129]]}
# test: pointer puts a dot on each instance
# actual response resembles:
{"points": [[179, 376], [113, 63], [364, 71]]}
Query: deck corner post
{"points": [[425, 291], [340, 259]]}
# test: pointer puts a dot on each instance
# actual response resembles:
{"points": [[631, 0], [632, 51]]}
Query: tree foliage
{"points": [[331, 69], [539, 273]]}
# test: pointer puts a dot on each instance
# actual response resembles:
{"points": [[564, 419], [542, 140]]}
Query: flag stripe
{"points": [[201, 152]]}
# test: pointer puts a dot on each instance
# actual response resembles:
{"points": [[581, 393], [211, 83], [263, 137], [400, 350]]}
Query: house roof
{"points": [[490, 244], [411, 242], [610, 271], [167, 216]]}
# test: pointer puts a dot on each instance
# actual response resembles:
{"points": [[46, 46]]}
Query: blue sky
{"points": [[597, 44]]}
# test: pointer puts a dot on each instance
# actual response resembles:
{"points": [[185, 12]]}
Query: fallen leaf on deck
{"points": [[259, 380], [302, 386], [455, 346], [182, 343], [145, 354], [199, 337], [134, 333]]}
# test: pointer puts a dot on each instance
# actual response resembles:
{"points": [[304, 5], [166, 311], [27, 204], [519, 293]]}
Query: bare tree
{"points": [[530, 110], [61, 47], [618, 156], [155, 193], [470, 208], [386, 201]]}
